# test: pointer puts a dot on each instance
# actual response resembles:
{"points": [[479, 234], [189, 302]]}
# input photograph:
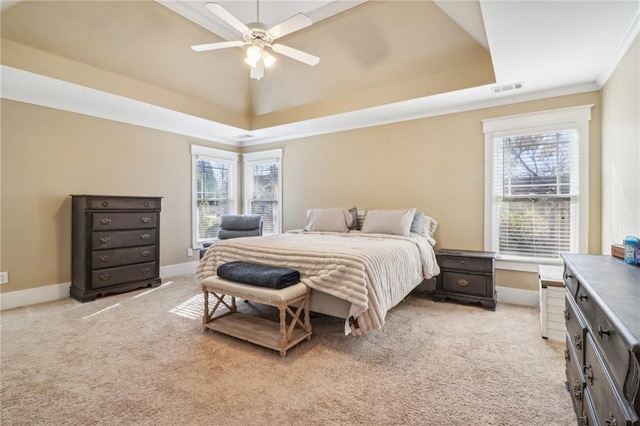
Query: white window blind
{"points": [[214, 191], [536, 186], [535, 193], [263, 188]]}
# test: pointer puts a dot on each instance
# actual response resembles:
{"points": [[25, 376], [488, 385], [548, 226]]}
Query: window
{"points": [[263, 188], [536, 188], [214, 190]]}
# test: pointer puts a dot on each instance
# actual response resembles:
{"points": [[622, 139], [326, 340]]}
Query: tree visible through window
{"points": [[535, 198], [536, 186]]}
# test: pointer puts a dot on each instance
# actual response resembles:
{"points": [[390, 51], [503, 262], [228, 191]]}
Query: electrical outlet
{"points": [[4, 278], [189, 252]]}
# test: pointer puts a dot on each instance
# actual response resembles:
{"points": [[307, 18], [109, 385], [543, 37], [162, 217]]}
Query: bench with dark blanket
{"points": [[259, 275]]}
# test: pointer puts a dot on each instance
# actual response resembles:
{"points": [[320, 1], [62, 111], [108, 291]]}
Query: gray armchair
{"points": [[235, 226]]}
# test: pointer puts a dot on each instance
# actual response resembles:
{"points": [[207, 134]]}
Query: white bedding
{"points": [[373, 272]]}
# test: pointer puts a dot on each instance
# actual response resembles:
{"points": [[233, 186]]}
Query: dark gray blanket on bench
{"points": [[260, 275]]}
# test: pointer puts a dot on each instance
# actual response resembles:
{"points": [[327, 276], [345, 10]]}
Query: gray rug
{"points": [[143, 358]]}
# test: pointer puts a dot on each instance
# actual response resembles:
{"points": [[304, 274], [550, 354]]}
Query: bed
{"points": [[355, 275]]}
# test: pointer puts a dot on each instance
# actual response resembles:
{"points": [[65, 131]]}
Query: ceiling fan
{"points": [[258, 37]]}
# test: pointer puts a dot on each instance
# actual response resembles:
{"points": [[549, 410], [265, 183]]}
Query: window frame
{"points": [[261, 157], [215, 155], [537, 122]]}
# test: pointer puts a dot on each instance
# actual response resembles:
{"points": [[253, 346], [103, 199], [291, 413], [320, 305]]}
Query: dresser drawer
{"points": [[471, 284], [115, 239], [116, 257], [108, 203], [612, 346], [123, 274], [571, 283], [607, 403], [134, 220], [588, 416], [575, 380], [576, 328], [466, 264]]}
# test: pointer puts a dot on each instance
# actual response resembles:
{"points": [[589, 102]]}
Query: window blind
{"points": [[263, 190], [535, 193], [213, 196]]}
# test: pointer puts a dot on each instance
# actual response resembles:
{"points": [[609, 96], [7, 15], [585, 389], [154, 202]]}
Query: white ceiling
{"points": [[551, 47]]}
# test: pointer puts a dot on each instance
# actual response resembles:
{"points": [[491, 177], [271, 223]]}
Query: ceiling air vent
{"points": [[507, 87], [244, 137]]}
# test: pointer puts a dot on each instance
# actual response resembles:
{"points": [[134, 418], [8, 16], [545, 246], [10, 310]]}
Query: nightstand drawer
{"points": [[466, 283], [466, 264]]}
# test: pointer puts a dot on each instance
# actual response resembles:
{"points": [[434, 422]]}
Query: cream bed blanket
{"points": [[373, 272]]}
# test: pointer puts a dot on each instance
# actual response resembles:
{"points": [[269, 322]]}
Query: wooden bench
{"points": [[279, 336]]}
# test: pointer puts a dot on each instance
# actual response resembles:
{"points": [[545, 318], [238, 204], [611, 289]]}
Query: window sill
{"points": [[524, 265]]}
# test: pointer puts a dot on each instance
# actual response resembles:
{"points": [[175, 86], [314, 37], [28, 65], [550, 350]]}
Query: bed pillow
{"points": [[393, 222], [417, 224], [429, 226], [328, 220], [354, 218], [361, 215]]}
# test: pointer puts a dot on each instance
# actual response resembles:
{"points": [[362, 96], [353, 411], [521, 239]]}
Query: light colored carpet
{"points": [[143, 358]]}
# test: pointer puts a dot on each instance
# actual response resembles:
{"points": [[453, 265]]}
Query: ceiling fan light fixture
{"points": [[254, 53], [268, 59]]}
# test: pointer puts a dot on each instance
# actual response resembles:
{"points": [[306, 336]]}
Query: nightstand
{"points": [[466, 276]]}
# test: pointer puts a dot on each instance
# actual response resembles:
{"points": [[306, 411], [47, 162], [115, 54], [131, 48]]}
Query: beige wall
{"points": [[48, 154], [621, 151], [435, 164]]}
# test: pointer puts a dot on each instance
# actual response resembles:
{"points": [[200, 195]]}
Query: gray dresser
{"points": [[603, 339], [115, 244]]}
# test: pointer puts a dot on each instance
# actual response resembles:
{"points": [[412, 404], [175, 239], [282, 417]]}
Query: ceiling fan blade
{"points": [[216, 46], [222, 13], [295, 23], [296, 54]]}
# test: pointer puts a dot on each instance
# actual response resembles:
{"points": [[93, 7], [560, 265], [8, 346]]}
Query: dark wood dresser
{"points": [[115, 243], [466, 276], [603, 330]]}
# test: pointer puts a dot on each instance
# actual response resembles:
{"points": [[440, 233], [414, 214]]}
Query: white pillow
{"points": [[394, 222], [328, 220]]}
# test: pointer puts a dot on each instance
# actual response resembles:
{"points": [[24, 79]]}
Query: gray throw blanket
{"points": [[259, 275]]}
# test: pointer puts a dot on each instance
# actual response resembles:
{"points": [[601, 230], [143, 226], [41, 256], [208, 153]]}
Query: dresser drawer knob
{"points": [[567, 355], [566, 315], [462, 282], [584, 420], [611, 421], [105, 277], [105, 240], [145, 219], [105, 204], [588, 373], [147, 204], [577, 340], [145, 236], [105, 220], [601, 332], [462, 262], [105, 258], [577, 391], [583, 296], [145, 253], [145, 271], [567, 276]]}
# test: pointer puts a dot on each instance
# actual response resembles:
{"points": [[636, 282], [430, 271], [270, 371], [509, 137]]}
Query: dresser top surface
{"points": [[615, 282], [466, 253]]}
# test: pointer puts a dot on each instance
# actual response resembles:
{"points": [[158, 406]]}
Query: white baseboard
{"points": [[516, 296], [49, 293], [32, 296]]}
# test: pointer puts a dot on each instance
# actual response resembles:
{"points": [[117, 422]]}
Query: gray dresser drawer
{"points": [[124, 256], [107, 240], [575, 379], [576, 328], [467, 264], [607, 403], [134, 220], [118, 203], [466, 283], [123, 274]]}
